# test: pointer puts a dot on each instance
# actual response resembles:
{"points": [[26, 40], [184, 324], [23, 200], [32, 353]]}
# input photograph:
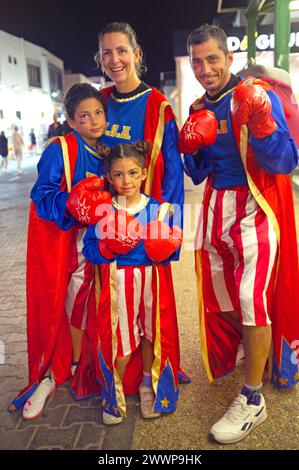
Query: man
{"points": [[55, 129], [247, 267]]}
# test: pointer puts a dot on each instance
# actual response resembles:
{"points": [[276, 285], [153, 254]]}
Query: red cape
{"points": [[48, 261]]}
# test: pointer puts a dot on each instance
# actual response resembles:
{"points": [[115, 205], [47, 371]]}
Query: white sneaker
{"points": [[147, 399], [35, 404], [110, 419], [239, 420]]}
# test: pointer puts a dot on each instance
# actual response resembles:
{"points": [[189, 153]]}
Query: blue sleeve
{"points": [[173, 182], [49, 201], [197, 167], [91, 248], [277, 153]]}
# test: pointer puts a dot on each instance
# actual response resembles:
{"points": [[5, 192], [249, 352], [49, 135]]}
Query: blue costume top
{"points": [[126, 119], [49, 200], [137, 256], [276, 153]]}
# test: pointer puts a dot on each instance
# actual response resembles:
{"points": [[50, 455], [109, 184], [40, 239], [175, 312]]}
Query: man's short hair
{"points": [[206, 32]]}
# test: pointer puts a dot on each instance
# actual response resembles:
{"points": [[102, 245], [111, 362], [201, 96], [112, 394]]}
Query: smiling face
{"points": [[210, 65], [127, 175], [119, 60], [89, 120]]}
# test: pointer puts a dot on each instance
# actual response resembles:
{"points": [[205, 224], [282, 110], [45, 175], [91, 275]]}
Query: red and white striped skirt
{"points": [[137, 297], [238, 255], [81, 277]]}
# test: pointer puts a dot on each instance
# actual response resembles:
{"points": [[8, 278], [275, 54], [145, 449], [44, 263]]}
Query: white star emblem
{"points": [[82, 211], [190, 133]]}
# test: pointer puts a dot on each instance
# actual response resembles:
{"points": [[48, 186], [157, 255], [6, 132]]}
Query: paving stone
{"points": [[8, 420], [77, 414], [64, 437], [91, 435], [13, 440], [62, 396], [50, 417]]}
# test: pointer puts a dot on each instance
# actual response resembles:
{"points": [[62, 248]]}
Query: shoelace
{"points": [[236, 411], [43, 388]]}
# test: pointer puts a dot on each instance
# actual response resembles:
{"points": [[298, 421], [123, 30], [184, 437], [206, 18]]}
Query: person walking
{"points": [[3, 151], [18, 147]]}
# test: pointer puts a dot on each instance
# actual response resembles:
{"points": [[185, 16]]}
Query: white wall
{"points": [[35, 104]]}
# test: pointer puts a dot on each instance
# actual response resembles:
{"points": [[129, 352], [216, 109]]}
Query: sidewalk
{"points": [[66, 424]]}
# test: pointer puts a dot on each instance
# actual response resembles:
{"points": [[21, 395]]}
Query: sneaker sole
{"points": [[237, 439], [40, 412], [116, 420], [153, 416]]}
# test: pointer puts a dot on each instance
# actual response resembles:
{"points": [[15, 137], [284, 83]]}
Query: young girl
{"points": [[136, 311]]}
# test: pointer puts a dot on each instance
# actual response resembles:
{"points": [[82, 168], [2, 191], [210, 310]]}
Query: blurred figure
{"points": [[3, 151], [55, 129], [18, 144], [32, 141], [66, 129]]}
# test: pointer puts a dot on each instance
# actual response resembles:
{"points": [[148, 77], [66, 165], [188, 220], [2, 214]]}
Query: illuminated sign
{"points": [[263, 42]]}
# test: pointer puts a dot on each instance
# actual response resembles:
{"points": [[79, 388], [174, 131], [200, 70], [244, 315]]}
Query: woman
{"points": [[137, 111]]}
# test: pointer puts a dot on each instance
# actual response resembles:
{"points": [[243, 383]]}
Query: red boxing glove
{"points": [[104, 250], [87, 202], [121, 232], [200, 130], [161, 241], [251, 105]]}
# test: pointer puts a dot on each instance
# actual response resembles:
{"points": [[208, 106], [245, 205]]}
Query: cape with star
{"points": [[48, 261]]}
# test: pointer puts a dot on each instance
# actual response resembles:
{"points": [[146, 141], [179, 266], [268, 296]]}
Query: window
{"points": [[10, 59], [56, 87], [18, 114], [15, 61], [1, 114], [34, 75]]}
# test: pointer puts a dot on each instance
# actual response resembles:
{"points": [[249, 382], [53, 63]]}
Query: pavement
{"points": [[66, 424]]}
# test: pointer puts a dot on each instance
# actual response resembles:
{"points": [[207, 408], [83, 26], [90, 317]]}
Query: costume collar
{"points": [[132, 95], [232, 83], [135, 209], [90, 149]]}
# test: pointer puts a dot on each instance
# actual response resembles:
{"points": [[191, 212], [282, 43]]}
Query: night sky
{"points": [[70, 30]]}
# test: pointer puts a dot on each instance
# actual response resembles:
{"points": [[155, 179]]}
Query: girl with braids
{"points": [[136, 314]]}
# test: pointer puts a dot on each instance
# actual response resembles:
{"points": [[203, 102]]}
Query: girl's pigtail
{"points": [[143, 147]]}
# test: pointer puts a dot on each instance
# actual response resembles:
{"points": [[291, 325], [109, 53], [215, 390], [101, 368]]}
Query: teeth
{"points": [[117, 69]]}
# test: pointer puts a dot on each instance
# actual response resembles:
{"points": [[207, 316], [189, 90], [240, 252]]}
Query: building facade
{"points": [[31, 87]]}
